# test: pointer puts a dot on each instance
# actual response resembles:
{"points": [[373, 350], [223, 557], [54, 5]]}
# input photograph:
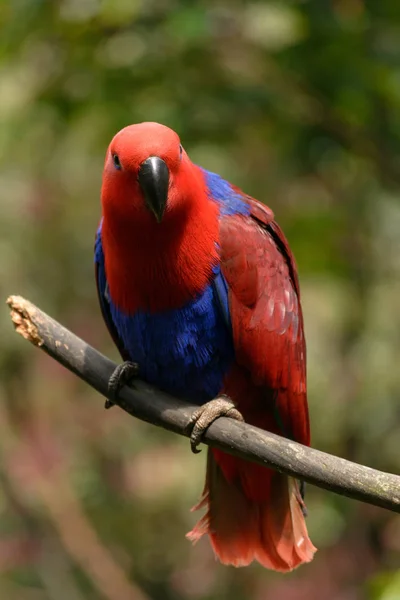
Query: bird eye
{"points": [[180, 151], [117, 162]]}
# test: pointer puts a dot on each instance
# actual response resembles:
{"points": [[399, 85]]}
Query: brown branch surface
{"points": [[151, 405]]}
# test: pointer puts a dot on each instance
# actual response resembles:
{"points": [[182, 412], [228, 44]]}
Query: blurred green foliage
{"points": [[297, 102]]}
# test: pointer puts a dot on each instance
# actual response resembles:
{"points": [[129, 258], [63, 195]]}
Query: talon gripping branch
{"points": [[198, 286]]}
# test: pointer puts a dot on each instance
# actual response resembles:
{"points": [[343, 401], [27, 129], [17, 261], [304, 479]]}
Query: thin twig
{"points": [[149, 404]]}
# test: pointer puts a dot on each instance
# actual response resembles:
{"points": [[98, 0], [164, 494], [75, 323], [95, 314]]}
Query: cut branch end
{"points": [[22, 315]]}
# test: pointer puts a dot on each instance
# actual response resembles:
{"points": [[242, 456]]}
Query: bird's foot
{"points": [[202, 418], [122, 375]]}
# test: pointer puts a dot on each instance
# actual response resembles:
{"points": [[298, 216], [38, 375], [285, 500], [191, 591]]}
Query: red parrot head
{"points": [[159, 223], [147, 175]]}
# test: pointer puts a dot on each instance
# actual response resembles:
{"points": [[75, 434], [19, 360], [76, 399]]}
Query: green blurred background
{"points": [[299, 104]]}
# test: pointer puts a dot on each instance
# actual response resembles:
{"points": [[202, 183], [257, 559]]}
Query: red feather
{"points": [[266, 315], [254, 513]]}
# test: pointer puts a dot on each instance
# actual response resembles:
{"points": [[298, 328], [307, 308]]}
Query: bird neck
{"points": [[168, 264]]}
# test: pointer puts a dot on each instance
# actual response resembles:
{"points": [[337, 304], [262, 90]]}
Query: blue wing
{"points": [[102, 292]]}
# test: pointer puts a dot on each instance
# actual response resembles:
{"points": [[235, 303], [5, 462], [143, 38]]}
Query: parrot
{"points": [[199, 290]]}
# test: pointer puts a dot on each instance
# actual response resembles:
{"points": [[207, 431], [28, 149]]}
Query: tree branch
{"points": [[151, 405]]}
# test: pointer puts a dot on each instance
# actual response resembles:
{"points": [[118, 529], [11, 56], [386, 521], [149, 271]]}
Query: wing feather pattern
{"points": [[266, 314]]}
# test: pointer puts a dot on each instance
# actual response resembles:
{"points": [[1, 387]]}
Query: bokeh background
{"points": [[298, 103]]}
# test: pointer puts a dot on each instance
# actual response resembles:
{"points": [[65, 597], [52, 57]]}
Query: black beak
{"points": [[153, 179]]}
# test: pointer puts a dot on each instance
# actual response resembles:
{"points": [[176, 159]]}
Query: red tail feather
{"points": [[272, 531]]}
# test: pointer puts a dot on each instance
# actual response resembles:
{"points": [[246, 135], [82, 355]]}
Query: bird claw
{"points": [[122, 375], [202, 418]]}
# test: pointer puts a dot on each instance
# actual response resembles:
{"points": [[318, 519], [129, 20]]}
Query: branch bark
{"points": [[149, 404]]}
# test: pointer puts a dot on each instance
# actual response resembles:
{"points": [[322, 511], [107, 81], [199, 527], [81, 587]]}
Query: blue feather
{"points": [[186, 352], [231, 202]]}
